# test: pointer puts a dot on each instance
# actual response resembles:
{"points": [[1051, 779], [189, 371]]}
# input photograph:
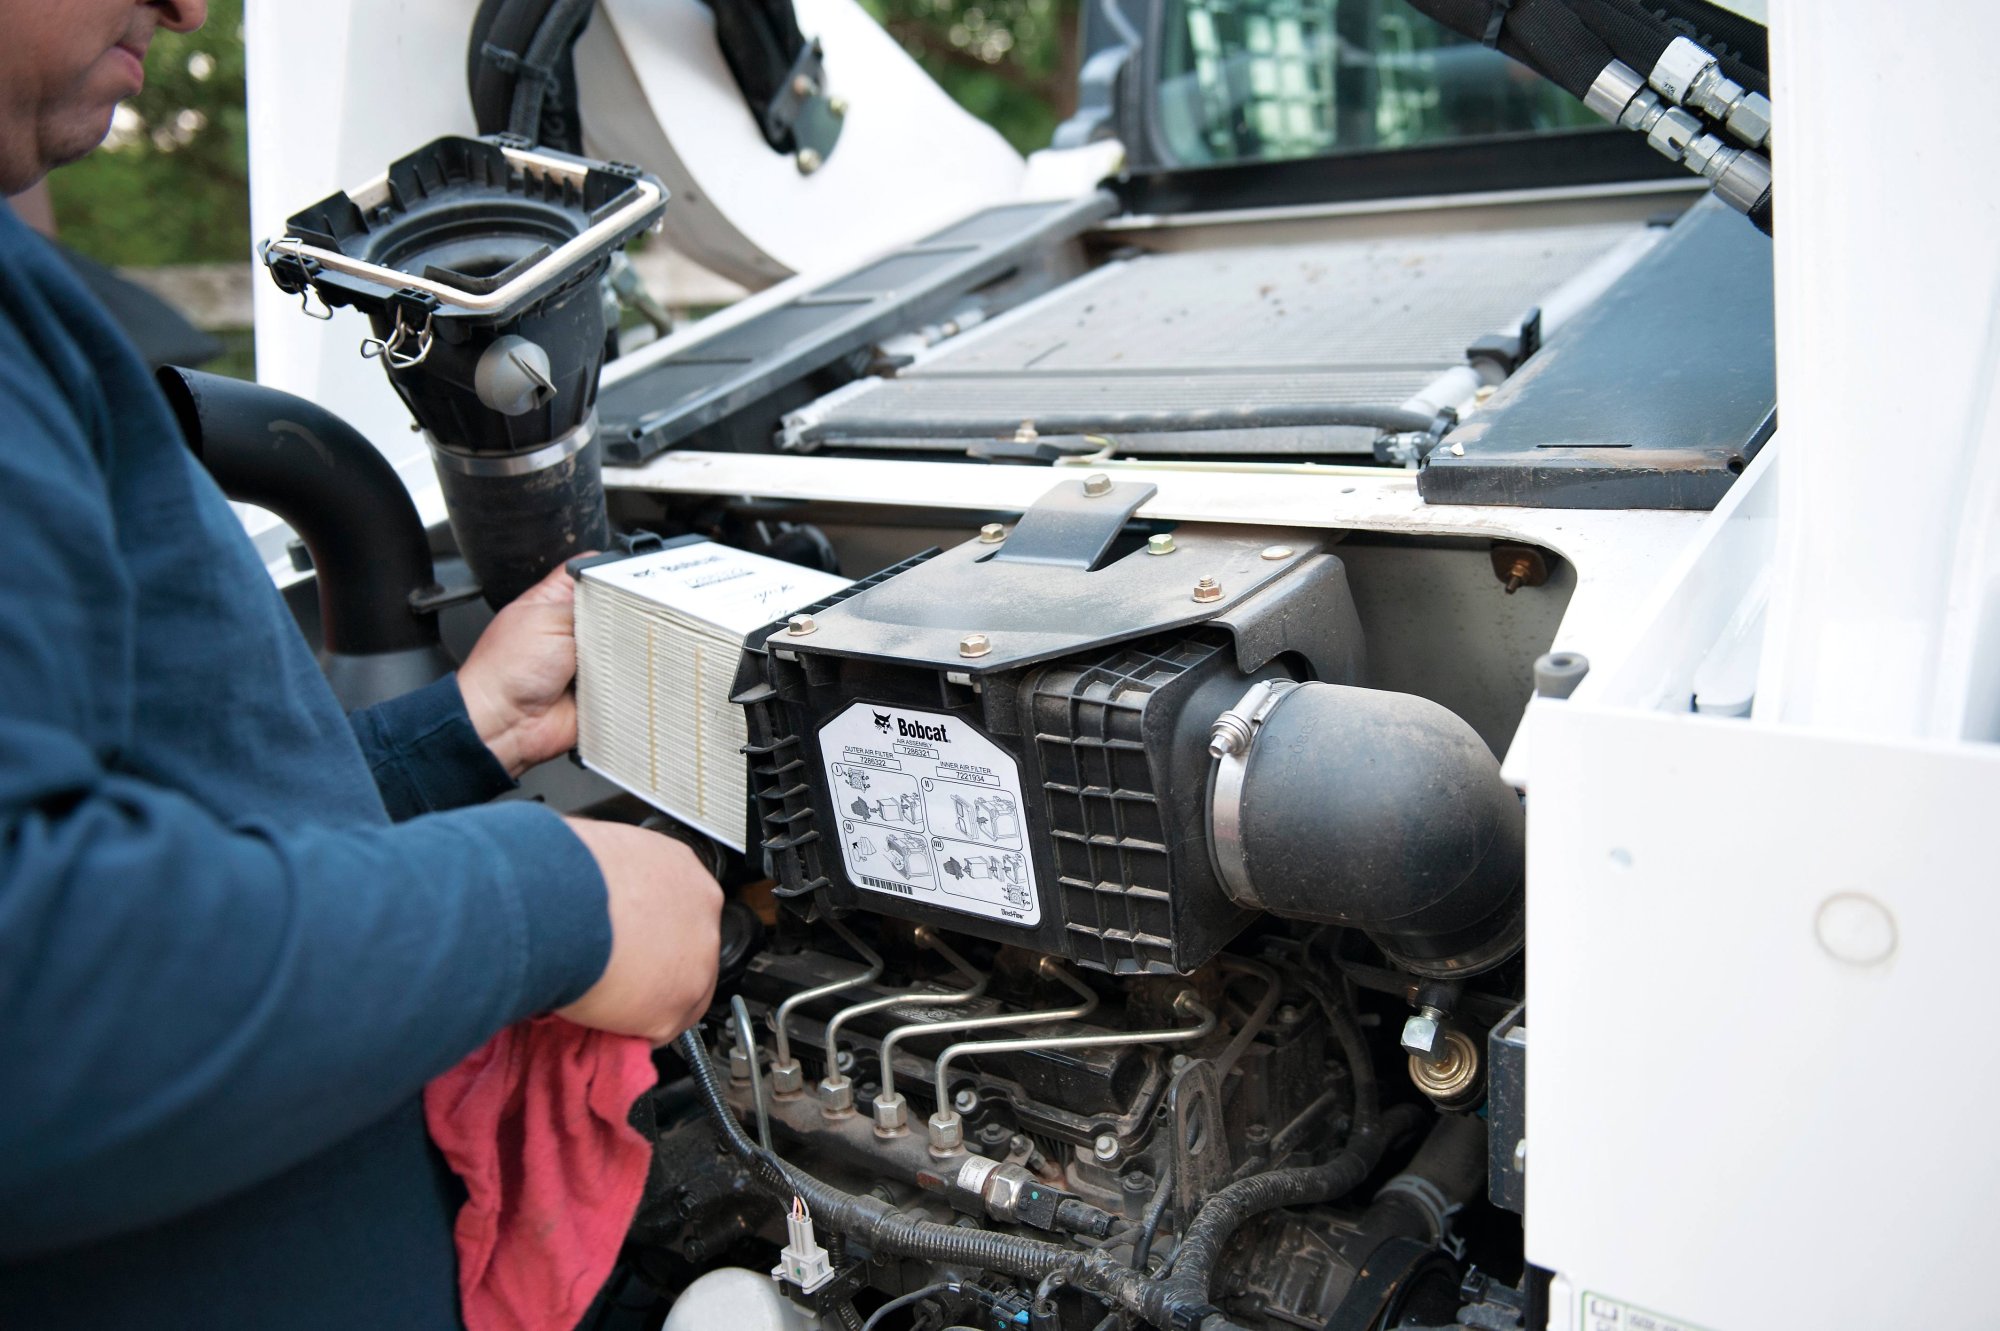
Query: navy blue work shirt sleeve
{"points": [[425, 754], [191, 1000]]}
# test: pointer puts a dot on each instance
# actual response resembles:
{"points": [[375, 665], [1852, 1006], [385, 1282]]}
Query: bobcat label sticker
{"points": [[930, 810]]}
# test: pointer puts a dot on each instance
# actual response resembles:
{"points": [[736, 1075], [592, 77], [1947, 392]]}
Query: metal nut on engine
{"points": [[1423, 1033], [892, 1116], [836, 1096], [947, 1132], [787, 1078]]}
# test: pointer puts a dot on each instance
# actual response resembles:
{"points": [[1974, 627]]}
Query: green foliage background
{"points": [[172, 184]]}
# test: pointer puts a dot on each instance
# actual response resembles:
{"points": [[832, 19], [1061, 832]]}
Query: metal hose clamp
{"points": [[1229, 743]]}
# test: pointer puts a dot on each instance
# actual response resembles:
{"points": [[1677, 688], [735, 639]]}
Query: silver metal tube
{"points": [[783, 1019], [889, 1105], [836, 1080], [748, 1043], [944, 1122], [1259, 1016]]}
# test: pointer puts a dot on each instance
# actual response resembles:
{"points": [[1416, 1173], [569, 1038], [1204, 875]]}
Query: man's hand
{"points": [[516, 680], [666, 935]]}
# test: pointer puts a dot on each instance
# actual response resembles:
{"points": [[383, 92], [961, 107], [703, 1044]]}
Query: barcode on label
{"points": [[888, 886]]}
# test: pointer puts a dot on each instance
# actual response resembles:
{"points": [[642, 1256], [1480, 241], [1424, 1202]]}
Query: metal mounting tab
{"points": [[1074, 524]]}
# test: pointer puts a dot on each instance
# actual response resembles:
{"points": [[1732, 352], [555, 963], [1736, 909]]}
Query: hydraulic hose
{"points": [[538, 64], [1545, 35], [1639, 38], [1578, 44]]}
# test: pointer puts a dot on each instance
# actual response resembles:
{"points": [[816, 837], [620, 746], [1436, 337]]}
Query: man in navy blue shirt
{"points": [[239, 931]]}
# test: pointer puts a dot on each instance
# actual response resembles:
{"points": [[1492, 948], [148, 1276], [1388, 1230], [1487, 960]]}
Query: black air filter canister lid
{"points": [[477, 263]]}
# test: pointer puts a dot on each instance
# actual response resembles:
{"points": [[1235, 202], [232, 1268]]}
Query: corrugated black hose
{"points": [[1228, 1210]]}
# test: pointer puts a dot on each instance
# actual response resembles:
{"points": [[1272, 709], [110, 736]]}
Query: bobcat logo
{"points": [[882, 722]]}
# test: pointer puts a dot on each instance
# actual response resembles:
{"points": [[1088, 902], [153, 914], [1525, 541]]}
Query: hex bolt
{"points": [[1208, 589], [974, 644], [892, 1116], [1518, 573], [800, 625], [739, 1064], [992, 534], [1423, 1034], [947, 1132], [837, 105], [836, 1096], [787, 1078], [803, 87], [1177, 1062], [965, 1101], [1276, 552], [809, 161], [1162, 544], [1105, 1148], [1097, 485]]}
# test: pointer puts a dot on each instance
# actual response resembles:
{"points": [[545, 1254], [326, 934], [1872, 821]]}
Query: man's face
{"points": [[64, 67]]}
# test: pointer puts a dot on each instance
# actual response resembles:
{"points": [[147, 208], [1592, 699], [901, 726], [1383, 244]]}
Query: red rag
{"points": [[535, 1125]]}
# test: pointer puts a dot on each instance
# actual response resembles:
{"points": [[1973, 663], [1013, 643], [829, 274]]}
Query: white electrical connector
{"points": [[803, 1261]]}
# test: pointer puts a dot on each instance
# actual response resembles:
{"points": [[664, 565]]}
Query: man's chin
{"points": [[74, 137]]}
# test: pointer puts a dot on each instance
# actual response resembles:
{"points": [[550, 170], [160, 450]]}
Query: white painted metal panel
{"points": [[1886, 599], [1727, 1123]]}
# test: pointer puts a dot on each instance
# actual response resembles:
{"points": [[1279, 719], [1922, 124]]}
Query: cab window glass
{"points": [[1265, 80]]}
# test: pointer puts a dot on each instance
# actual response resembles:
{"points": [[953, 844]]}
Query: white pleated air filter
{"points": [[658, 637]]}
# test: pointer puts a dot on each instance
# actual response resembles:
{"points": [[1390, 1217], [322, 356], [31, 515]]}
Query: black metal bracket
{"points": [[1074, 524], [802, 114]]}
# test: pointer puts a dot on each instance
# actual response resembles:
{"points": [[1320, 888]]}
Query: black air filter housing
{"points": [[1010, 738]]}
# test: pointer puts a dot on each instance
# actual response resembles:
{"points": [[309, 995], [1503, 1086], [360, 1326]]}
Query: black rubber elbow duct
{"points": [[317, 473], [1378, 811]]}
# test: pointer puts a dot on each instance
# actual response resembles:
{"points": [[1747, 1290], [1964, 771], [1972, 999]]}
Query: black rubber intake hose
{"points": [[1379, 811], [317, 473]]}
